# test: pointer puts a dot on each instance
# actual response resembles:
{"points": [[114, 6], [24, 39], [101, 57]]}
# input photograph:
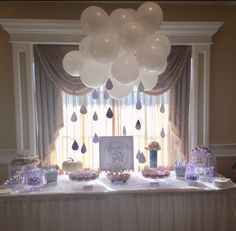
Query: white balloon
{"points": [[93, 74], [119, 90], [162, 40], [104, 47], [72, 63], [151, 55], [131, 35], [94, 19], [125, 69], [84, 47], [150, 15], [132, 11], [162, 68], [149, 79], [119, 17]]}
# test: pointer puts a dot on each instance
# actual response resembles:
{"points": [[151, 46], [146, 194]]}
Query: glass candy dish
{"points": [[201, 162], [14, 182], [191, 173], [180, 171], [51, 173], [33, 177]]}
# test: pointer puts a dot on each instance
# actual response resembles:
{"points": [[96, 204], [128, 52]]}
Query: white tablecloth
{"points": [[135, 205]]}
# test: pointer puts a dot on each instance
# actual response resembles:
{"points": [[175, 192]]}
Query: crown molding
{"points": [[69, 31], [137, 2]]}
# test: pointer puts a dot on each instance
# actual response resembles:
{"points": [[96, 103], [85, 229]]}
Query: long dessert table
{"points": [[139, 204]]}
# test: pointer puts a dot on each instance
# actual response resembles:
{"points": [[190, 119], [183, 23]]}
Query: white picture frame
{"points": [[116, 153]]}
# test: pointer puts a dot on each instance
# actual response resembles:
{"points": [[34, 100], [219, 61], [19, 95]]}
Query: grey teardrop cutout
{"points": [[73, 118], [124, 131], [142, 159], [83, 148], [138, 125], [106, 95], [163, 133], [95, 94], [83, 109], [95, 116], [141, 87], [75, 146], [138, 105], [95, 138], [109, 84], [109, 113], [162, 108]]}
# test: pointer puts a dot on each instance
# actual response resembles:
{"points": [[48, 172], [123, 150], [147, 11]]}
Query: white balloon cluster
{"points": [[125, 47]]}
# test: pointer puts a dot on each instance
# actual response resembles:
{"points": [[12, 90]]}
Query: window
{"points": [[24, 33], [154, 126]]}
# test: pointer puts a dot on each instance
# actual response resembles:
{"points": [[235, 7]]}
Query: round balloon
{"points": [[104, 47], [149, 79], [125, 69], [150, 15], [162, 68], [72, 63], [131, 35], [162, 40], [151, 55], [94, 19], [132, 11], [93, 74], [119, 90], [84, 47], [119, 17]]}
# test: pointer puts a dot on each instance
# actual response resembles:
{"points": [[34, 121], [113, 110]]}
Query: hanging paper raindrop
{"points": [[95, 116], [163, 133], [83, 109], [141, 87], [95, 94], [142, 159], [83, 148], [162, 108], [109, 84], [106, 94], [138, 155], [73, 118], [124, 131], [95, 138], [138, 125], [109, 113], [138, 104], [75, 146]]}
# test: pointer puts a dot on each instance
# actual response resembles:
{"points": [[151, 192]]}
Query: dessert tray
{"points": [[155, 173], [118, 177], [84, 175]]}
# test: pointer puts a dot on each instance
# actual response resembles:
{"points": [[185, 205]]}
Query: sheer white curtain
{"points": [[152, 119]]}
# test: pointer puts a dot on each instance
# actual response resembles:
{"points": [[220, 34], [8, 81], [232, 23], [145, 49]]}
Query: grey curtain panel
{"points": [[176, 78], [179, 106], [51, 79]]}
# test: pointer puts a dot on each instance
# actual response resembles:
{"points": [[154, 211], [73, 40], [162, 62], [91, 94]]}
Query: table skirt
{"points": [[123, 211]]}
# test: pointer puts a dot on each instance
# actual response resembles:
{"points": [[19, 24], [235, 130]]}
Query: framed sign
{"points": [[116, 153]]}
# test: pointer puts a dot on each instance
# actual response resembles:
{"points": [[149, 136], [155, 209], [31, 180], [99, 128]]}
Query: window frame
{"points": [[26, 32]]}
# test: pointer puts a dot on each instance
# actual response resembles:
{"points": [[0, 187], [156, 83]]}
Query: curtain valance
{"points": [[50, 57]]}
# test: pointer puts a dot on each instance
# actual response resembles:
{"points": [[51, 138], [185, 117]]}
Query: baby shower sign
{"points": [[116, 153]]}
